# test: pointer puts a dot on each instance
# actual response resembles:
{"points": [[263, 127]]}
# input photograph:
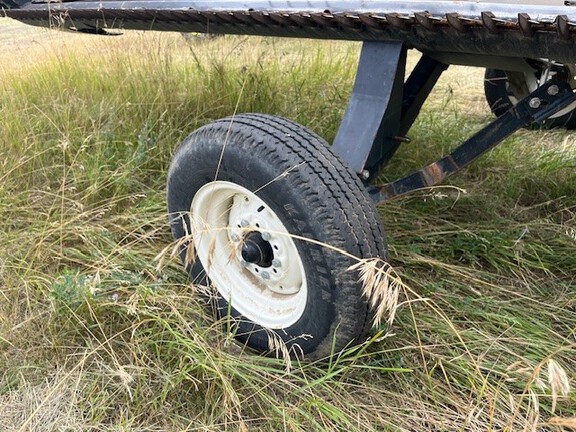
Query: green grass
{"points": [[95, 335]]}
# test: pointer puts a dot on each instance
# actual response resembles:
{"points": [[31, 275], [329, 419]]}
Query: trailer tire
{"points": [[501, 96], [276, 220]]}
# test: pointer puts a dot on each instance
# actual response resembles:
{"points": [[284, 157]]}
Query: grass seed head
{"points": [[558, 380], [280, 350], [380, 286], [563, 422]]}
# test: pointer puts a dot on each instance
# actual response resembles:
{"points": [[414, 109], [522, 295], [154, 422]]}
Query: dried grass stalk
{"points": [[280, 350], [175, 248], [563, 422], [380, 286], [558, 380]]}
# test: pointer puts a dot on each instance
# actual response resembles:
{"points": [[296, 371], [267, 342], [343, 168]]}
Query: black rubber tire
{"points": [[501, 98], [320, 199]]}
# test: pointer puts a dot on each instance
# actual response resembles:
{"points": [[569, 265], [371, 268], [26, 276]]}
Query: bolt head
{"points": [[244, 223], [365, 175], [535, 102], [265, 275], [553, 90], [265, 236], [276, 262]]}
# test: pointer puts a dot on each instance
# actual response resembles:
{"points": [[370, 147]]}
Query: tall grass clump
{"points": [[95, 335]]}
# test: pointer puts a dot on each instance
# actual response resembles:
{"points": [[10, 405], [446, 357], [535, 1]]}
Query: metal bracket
{"points": [[383, 107], [374, 108], [546, 101]]}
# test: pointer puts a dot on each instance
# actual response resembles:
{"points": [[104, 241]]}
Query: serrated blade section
{"points": [[447, 26]]}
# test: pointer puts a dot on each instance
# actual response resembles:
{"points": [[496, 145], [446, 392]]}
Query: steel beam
{"points": [[551, 98], [372, 118], [383, 107], [454, 31]]}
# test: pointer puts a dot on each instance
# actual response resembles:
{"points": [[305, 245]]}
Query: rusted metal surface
{"points": [[522, 29]]}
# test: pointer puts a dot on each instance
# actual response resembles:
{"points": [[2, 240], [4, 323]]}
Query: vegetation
{"points": [[97, 334]]}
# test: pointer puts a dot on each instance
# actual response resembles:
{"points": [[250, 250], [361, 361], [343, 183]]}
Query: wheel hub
{"points": [[522, 84], [256, 250]]}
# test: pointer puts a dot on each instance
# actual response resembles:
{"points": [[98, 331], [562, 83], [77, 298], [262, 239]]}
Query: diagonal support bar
{"points": [[417, 88], [546, 101]]}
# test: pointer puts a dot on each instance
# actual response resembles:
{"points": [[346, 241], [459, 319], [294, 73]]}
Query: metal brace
{"points": [[546, 101], [383, 107]]}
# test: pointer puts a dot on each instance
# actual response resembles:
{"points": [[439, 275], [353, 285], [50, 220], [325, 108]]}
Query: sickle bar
{"points": [[454, 27]]}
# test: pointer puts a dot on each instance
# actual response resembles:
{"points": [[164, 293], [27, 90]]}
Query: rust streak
{"points": [[433, 174]]}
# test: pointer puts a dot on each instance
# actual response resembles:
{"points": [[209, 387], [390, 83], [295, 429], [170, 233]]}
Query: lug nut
{"points": [[276, 262], [244, 223], [265, 236], [265, 275], [535, 102], [234, 237]]}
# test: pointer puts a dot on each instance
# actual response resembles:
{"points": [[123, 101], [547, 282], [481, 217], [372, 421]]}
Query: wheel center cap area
{"points": [[256, 250]]}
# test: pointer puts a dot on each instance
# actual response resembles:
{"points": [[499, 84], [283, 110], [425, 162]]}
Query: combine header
{"points": [[270, 215]]}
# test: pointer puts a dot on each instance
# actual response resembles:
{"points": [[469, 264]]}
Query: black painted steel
{"points": [[417, 88], [547, 100], [383, 107], [373, 115]]}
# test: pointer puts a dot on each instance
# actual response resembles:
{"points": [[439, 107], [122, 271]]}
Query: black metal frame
{"points": [[383, 107], [473, 32]]}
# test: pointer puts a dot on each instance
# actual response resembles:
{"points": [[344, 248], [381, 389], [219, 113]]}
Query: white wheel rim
{"points": [[222, 215]]}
